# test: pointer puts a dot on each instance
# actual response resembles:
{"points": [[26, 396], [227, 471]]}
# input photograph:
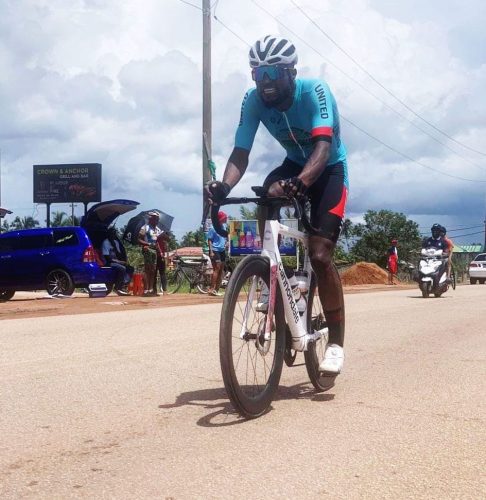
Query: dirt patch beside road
{"points": [[38, 304]]}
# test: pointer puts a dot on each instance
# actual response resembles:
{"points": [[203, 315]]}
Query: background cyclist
{"points": [[302, 115]]}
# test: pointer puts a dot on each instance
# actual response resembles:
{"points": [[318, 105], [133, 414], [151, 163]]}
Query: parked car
{"points": [[477, 269], [59, 259]]}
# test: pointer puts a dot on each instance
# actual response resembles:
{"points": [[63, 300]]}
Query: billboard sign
{"points": [[244, 238], [67, 183]]}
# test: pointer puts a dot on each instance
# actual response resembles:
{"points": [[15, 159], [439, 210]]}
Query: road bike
{"points": [[194, 271], [253, 343]]}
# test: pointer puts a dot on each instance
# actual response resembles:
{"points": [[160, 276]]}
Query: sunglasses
{"points": [[271, 72]]}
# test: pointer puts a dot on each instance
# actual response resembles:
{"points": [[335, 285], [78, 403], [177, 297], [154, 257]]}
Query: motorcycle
{"points": [[432, 272]]}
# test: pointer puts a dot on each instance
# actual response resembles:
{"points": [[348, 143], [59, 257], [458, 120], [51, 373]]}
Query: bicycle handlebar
{"points": [[263, 200]]}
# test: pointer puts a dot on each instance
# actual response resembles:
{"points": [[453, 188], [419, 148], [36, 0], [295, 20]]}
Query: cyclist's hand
{"points": [[275, 190], [293, 187], [216, 191]]}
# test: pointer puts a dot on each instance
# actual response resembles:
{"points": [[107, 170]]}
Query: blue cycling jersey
{"points": [[312, 117]]}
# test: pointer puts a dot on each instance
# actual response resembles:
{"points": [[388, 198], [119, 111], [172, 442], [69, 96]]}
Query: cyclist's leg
{"points": [[287, 170], [328, 199]]}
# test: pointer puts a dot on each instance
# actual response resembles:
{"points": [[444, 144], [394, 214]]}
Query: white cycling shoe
{"points": [[333, 361]]}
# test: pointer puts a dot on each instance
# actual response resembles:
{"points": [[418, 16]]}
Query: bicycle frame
{"points": [[297, 323]]}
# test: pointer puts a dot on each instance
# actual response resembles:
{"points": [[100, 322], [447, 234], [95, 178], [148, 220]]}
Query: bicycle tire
{"points": [[250, 393], [174, 281], [315, 350], [203, 283]]}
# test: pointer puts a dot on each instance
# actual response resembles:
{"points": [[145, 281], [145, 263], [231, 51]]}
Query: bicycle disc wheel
{"points": [[315, 350], [174, 281], [251, 365]]}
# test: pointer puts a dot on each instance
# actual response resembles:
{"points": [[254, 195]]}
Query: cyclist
{"points": [[302, 115]]}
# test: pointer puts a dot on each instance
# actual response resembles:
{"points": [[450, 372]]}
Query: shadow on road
{"points": [[225, 414]]}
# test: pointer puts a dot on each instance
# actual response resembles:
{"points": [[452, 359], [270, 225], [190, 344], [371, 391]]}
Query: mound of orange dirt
{"points": [[365, 273]]}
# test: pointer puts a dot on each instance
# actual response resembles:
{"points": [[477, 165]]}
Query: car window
{"points": [[480, 258], [7, 244], [65, 238], [32, 242]]}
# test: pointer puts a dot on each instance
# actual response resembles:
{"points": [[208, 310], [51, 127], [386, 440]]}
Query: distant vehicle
{"points": [[477, 269], [432, 273], [59, 259]]}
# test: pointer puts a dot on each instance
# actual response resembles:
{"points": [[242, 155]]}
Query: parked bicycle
{"points": [[254, 342], [194, 272]]}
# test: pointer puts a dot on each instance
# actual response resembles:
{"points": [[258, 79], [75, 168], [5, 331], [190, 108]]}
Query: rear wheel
{"points": [[472, 281], [204, 283], [251, 364], [315, 350], [6, 295], [174, 280], [59, 282], [481, 281]]}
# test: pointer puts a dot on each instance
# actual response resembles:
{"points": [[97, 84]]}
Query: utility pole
{"points": [[206, 128]]}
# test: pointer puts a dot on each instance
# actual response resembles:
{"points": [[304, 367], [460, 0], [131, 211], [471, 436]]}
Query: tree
{"points": [[376, 233], [248, 213], [24, 223], [193, 239], [59, 219]]}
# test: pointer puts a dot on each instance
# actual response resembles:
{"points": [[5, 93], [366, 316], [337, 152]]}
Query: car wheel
{"points": [[481, 282], [6, 295], [472, 281], [59, 282]]}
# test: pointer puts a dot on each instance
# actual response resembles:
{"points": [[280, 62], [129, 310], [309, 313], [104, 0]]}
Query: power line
{"points": [[470, 234], [365, 89], [409, 157], [191, 4], [381, 85]]}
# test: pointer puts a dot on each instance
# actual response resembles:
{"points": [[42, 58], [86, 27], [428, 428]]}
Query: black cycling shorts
{"points": [[327, 196]]}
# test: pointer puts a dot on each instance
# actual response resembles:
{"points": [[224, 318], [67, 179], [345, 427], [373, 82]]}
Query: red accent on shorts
{"points": [[327, 131], [339, 208]]}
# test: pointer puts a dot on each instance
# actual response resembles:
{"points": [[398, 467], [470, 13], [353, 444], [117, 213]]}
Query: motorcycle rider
{"points": [[436, 240]]}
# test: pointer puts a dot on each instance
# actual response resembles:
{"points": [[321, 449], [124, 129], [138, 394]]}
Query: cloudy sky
{"points": [[120, 83]]}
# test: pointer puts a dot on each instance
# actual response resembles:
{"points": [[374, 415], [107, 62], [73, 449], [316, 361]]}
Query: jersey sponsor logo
{"points": [[321, 96]]}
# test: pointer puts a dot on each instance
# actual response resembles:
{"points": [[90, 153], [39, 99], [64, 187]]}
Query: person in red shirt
{"points": [[392, 262]]}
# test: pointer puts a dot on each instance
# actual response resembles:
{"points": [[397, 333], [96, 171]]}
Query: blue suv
{"points": [[59, 259]]}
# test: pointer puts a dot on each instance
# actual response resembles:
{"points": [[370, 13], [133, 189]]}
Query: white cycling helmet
{"points": [[272, 49]]}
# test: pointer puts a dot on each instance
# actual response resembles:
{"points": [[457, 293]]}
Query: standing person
{"points": [[161, 264], [147, 238], [115, 257], [392, 262], [217, 254], [302, 115], [450, 247]]}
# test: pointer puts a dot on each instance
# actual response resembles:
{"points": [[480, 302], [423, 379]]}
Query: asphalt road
{"points": [[131, 405]]}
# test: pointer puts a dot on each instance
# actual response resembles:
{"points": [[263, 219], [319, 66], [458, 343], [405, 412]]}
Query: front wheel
{"points": [[250, 363], [315, 350], [6, 295], [59, 282], [425, 288]]}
